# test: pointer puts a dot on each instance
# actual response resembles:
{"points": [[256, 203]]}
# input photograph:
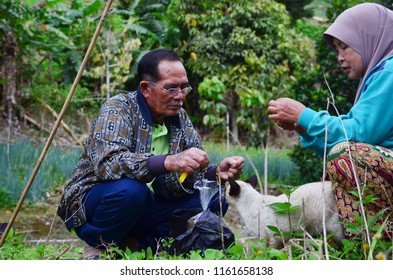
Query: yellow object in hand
{"points": [[182, 177]]}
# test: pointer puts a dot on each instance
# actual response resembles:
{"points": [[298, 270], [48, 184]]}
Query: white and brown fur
{"points": [[254, 209]]}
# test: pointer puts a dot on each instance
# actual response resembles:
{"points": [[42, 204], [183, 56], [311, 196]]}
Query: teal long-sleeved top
{"points": [[370, 120]]}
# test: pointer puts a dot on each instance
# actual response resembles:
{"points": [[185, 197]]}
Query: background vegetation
{"points": [[239, 55]]}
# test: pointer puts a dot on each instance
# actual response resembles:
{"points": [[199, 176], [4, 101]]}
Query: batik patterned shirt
{"points": [[119, 145]]}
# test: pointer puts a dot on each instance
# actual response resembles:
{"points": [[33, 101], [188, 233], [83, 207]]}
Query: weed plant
{"points": [[18, 162], [296, 249], [14, 248]]}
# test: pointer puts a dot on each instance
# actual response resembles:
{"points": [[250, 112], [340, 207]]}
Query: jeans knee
{"points": [[133, 194]]}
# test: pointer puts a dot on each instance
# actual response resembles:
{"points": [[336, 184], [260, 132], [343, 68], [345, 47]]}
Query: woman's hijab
{"points": [[368, 29]]}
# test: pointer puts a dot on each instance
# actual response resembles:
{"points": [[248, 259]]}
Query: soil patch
{"points": [[39, 223]]}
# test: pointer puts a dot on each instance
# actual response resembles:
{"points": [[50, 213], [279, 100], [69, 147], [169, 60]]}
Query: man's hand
{"points": [[231, 167], [187, 161]]}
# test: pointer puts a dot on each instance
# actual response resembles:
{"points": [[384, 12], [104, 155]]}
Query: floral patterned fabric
{"points": [[372, 174]]}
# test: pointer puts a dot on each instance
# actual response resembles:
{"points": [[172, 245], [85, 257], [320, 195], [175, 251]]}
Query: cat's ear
{"points": [[253, 181], [234, 190]]}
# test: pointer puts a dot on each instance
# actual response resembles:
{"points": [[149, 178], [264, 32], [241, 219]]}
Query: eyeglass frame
{"points": [[184, 91]]}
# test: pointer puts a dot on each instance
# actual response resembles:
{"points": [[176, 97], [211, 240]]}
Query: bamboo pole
{"points": [[58, 122]]}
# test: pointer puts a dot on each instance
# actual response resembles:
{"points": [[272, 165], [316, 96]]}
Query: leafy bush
{"points": [[309, 166]]}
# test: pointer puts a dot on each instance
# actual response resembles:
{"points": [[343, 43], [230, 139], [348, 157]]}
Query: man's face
{"points": [[162, 104]]}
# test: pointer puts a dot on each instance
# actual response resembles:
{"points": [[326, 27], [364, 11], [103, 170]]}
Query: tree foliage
{"points": [[250, 48], [298, 8], [239, 55], [52, 39]]}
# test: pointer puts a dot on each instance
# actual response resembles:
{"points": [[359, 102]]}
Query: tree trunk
{"points": [[8, 73], [234, 105], [235, 128]]}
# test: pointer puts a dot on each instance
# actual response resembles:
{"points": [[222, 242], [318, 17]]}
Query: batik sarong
{"points": [[367, 168]]}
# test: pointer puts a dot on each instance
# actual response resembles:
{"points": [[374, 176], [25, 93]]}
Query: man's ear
{"points": [[145, 88]]}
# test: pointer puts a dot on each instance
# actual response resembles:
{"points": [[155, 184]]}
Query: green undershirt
{"points": [[159, 144]]}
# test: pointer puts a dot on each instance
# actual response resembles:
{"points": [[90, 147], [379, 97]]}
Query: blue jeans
{"points": [[125, 208]]}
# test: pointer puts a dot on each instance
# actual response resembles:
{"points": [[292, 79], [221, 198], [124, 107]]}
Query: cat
{"points": [[256, 213]]}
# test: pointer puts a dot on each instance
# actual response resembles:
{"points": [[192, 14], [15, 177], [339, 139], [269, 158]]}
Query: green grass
{"points": [[15, 248], [18, 162]]}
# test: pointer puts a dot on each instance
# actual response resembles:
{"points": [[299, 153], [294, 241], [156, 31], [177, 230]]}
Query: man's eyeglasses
{"points": [[174, 91]]}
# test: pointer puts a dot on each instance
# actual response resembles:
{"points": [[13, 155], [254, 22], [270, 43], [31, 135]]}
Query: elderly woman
{"points": [[360, 143]]}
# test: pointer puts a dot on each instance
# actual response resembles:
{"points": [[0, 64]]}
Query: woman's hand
{"points": [[286, 112]]}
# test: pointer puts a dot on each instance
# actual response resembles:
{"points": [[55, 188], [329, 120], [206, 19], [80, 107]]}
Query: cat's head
{"points": [[233, 188]]}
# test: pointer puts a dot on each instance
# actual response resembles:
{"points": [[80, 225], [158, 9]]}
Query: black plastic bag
{"points": [[209, 232], [3, 227], [180, 220]]}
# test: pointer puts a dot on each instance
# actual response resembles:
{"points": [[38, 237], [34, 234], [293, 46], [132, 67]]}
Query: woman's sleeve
{"points": [[368, 121]]}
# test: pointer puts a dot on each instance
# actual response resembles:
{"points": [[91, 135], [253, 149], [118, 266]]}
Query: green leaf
{"points": [[354, 193], [370, 198], [274, 229], [278, 254], [284, 207], [236, 250], [213, 254], [93, 8], [56, 31], [195, 255]]}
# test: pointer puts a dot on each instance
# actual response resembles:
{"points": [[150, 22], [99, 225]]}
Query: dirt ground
{"points": [[39, 224]]}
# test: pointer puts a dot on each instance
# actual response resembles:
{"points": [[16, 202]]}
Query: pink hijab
{"points": [[368, 29]]}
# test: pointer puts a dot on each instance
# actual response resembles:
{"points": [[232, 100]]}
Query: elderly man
{"points": [[140, 163]]}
